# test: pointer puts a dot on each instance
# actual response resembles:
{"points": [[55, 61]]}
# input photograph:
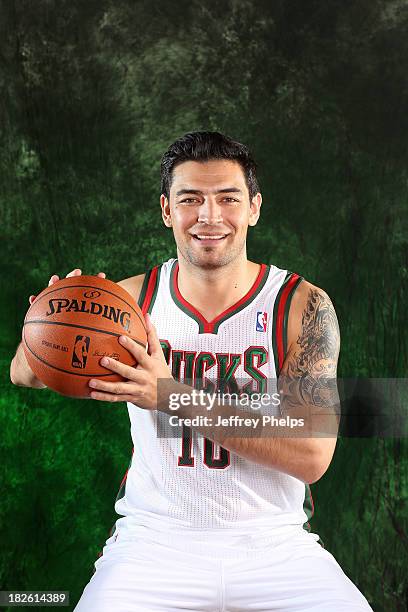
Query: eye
{"points": [[188, 201], [230, 200]]}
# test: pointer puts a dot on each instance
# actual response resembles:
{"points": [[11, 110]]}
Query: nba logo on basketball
{"points": [[261, 321], [80, 354]]}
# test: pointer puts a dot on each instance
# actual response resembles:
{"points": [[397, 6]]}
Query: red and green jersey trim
{"points": [[122, 485], [280, 347], [120, 494], [308, 507], [211, 327], [281, 316], [149, 289]]}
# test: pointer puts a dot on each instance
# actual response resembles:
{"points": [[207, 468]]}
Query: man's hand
{"points": [[55, 278], [144, 382]]}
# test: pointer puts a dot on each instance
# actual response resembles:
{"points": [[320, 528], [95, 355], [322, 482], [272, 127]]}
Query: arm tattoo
{"points": [[311, 373], [319, 338]]}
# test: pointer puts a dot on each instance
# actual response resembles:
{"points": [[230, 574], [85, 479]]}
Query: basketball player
{"points": [[217, 520]]}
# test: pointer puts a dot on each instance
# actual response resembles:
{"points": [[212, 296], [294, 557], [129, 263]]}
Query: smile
{"points": [[209, 236]]}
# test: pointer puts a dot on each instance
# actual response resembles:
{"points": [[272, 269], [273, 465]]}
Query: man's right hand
{"points": [[20, 372], [54, 278]]}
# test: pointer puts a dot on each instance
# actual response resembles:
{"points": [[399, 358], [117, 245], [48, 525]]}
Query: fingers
{"points": [[55, 278], [115, 388], [139, 352], [76, 272], [126, 371], [109, 397], [154, 347]]}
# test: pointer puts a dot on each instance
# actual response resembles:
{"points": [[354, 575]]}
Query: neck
{"points": [[211, 291]]}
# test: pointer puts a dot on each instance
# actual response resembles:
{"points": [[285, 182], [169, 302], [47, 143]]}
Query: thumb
{"points": [[153, 343]]}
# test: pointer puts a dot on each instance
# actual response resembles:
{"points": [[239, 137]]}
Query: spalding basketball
{"points": [[75, 322]]}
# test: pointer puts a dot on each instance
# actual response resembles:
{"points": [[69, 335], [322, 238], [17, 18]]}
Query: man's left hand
{"points": [[141, 383]]}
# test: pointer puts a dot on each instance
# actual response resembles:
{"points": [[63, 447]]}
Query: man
{"points": [[216, 518]]}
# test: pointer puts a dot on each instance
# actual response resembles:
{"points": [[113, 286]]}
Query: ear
{"points": [[255, 209], [165, 208]]}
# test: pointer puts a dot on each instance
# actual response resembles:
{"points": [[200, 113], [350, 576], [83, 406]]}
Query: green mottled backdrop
{"points": [[91, 93]]}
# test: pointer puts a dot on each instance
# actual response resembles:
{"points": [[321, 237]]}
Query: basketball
{"points": [[75, 322]]}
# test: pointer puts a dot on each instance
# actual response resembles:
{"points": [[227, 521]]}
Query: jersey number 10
{"points": [[186, 458]]}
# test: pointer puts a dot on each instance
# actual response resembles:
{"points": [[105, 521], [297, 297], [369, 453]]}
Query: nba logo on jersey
{"points": [[261, 321]]}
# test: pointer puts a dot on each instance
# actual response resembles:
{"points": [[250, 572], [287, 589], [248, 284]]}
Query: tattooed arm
{"points": [[308, 375]]}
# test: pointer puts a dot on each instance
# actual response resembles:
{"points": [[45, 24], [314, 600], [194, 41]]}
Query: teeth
{"points": [[210, 237]]}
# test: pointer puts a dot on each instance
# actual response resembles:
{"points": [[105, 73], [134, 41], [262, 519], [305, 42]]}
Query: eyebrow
{"points": [[198, 192]]}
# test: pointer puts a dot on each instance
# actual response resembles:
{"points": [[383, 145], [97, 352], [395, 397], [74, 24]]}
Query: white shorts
{"points": [[218, 571]]}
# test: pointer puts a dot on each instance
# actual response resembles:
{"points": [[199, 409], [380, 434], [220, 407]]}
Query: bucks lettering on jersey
{"points": [[189, 479]]}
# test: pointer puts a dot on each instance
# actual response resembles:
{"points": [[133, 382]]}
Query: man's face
{"points": [[209, 211]]}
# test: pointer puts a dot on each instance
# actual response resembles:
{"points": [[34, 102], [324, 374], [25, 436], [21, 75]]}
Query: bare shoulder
{"points": [[312, 323], [308, 295], [133, 285]]}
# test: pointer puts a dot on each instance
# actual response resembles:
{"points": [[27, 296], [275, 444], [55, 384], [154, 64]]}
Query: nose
{"points": [[210, 212]]}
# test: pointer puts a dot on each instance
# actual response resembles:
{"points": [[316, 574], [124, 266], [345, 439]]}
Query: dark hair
{"points": [[206, 146]]}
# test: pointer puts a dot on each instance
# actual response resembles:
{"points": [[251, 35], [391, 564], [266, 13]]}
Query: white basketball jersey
{"points": [[189, 480]]}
